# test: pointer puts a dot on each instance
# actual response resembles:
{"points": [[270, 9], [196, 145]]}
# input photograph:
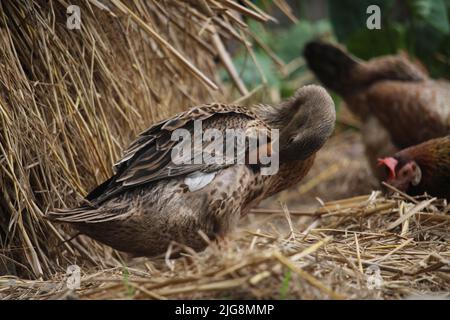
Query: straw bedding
{"points": [[328, 253]]}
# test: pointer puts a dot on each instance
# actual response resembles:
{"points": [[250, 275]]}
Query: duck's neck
{"points": [[288, 175]]}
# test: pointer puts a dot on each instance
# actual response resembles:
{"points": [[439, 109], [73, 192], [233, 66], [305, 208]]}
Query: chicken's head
{"points": [[401, 174]]}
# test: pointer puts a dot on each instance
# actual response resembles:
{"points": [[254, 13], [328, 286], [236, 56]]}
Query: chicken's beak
{"points": [[391, 163]]}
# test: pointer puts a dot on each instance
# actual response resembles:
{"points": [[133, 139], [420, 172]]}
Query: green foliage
{"points": [[287, 43], [420, 27], [249, 72], [431, 12], [349, 17], [285, 285], [126, 282], [367, 43]]}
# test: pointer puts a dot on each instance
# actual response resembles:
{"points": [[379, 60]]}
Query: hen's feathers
{"points": [[406, 103], [347, 75], [412, 112], [331, 65], [433, 158]]}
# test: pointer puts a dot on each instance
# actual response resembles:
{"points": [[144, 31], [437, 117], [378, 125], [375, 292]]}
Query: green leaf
{"points": [[367, 44], [250, 73], [349, 17], [285, 285], [433, 12], [288, 43]]}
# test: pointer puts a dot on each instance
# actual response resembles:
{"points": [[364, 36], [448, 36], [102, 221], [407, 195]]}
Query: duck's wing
{"points": [[152, 156]]}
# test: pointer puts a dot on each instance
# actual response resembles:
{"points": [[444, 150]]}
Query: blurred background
{"points": [[275, 69], [419, 28]]}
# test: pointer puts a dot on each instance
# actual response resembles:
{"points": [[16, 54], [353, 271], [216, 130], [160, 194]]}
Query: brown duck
{"points": [[398, 103], [151, 201]]}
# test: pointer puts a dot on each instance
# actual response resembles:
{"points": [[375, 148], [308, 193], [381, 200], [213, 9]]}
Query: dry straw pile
{"points": [[366, 247], [70, 100]]}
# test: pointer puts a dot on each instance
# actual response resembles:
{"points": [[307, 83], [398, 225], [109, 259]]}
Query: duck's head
{"points": [[306, 121]]}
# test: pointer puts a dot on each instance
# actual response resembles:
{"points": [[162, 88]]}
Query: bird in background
{"points": [[398, 104], [151, 201], [421, 168]]}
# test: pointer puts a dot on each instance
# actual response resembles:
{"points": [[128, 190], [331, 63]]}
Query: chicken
{"points": [[421, 168], [154, 199], [397, 102]]}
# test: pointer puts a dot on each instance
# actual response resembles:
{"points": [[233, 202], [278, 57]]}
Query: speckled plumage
{"points": [[147, 205]]}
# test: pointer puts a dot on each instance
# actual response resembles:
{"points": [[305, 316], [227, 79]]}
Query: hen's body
{"points": [[398, 104], [151, 201]]}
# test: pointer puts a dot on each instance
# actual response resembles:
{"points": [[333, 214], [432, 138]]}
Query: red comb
{"points": [[391, 163]]}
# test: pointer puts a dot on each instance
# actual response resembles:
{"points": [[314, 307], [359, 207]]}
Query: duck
{"points": [[160, 197]]}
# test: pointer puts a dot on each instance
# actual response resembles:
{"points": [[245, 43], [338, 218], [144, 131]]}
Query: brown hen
{"points": [[421, 168], [397, 102]]}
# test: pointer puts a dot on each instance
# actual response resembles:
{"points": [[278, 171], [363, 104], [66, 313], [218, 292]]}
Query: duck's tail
{"points": [[86, 214], [69, 215]]}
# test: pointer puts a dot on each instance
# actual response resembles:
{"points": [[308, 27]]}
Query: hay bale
{"points": [[70, 100]]}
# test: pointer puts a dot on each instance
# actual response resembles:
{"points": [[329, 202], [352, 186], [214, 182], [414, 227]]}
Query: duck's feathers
{"points": [[149, 157]]}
